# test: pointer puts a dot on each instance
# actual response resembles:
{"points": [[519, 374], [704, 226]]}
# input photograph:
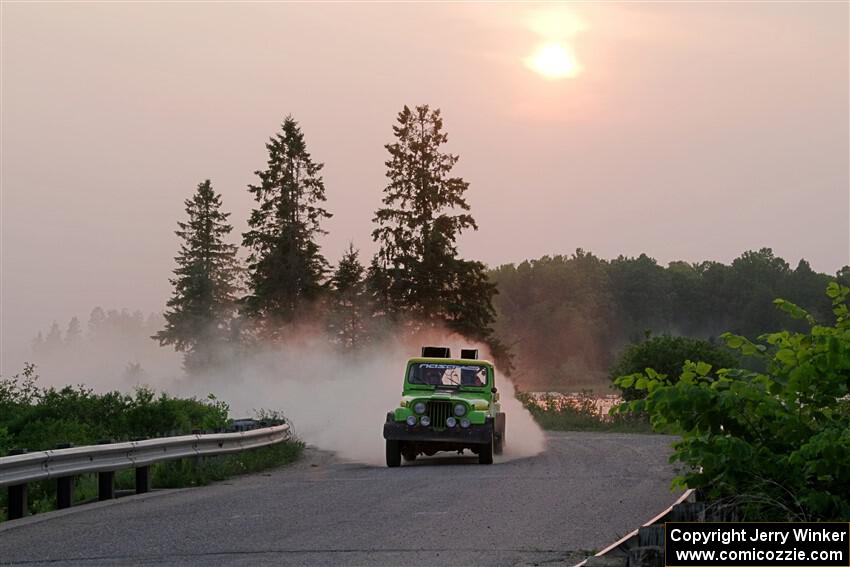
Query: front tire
{"points": [[393, 453]]}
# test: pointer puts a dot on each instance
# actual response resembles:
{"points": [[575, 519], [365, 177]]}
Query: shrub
{"points": [[775, 443], [666, 354], [40, 418]]}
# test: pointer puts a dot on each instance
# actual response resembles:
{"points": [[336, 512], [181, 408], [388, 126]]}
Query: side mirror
{"points": [[494, 389]]}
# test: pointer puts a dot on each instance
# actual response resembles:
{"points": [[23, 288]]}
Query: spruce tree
{"points": [[285, 267], [416, 274], [348, 307], [53, 340], [96, 322], [74, 332], [202, 306]]}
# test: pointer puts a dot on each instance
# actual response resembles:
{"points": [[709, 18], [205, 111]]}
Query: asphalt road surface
{"points": [[585, 491]]}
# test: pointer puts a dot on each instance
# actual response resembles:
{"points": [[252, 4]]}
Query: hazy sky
{"points": [[687, 131]]}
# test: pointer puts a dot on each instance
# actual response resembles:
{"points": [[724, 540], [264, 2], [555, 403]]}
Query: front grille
{"points": [[439, 412]]}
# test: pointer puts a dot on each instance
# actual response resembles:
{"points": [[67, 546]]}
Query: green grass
{"points": [[192, 472], [567, 420]]}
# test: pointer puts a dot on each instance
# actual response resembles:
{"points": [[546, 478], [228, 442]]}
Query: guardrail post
{"points": [[64, 492], [106, 485], [143, 479], [17, 505], [64, 485], [105, 479]]}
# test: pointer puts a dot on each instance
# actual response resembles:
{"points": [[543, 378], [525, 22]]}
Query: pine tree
{"points": [[348, 310], [285, 267], [202, 306], [96, 322], [417, 272], [53, 340], [73, 333]]}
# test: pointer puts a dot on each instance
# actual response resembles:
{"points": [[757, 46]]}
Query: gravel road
{"points": [[582, 493]]}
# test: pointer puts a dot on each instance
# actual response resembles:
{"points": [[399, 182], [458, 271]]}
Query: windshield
{"points": [[439, 374]]}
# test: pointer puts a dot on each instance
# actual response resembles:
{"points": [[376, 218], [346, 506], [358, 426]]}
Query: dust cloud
{"points": [[335, 401], [339, 402], [523, 437]]}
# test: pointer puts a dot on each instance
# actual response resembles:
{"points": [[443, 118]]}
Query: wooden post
{"points": [[143, 479], [106, 485], [64, 492], [17, 505]]}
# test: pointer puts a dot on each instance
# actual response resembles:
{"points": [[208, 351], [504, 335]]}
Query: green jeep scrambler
{"points": [[448, 404]]}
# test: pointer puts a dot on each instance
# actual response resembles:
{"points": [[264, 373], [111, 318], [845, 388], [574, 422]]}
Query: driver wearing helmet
{"points": [[433, 377]]}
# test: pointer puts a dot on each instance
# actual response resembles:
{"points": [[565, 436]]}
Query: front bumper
{"points": [[472, 435]]}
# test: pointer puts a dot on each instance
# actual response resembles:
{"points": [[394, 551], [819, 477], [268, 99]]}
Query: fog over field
{"points": [[688, 131]]}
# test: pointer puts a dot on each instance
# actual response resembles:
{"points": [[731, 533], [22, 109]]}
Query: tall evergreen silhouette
{"points": [[349, 310], [285, 266], [200, 311], [417, 275]]}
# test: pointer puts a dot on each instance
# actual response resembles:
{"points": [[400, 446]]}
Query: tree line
{"points": [[415, 281], [567, 319], [103, 326]]}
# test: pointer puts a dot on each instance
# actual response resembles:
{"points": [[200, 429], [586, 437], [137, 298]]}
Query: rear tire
{"points": [[485, 454], [408, 455], [393, 453], [499, 444]]}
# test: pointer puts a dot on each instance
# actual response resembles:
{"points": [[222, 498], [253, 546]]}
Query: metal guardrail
{"points": [[63, 464]]}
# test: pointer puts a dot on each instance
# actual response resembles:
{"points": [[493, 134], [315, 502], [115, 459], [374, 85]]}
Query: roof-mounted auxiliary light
{"points": [[436, 352]]}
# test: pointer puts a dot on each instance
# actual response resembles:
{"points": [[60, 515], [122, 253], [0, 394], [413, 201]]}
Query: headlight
{"points": [[451, 422], [425, 420], [464, 422], [419, 407], [460, 410], [411, 420]]}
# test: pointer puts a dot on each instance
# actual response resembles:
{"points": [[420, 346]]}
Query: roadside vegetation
{"points": [[33, 418], [36, 418], [774, 443], [667, 354], [590, 411]]}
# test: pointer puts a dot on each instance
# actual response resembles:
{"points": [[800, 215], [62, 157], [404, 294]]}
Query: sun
{"points": [[553, 61]]}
